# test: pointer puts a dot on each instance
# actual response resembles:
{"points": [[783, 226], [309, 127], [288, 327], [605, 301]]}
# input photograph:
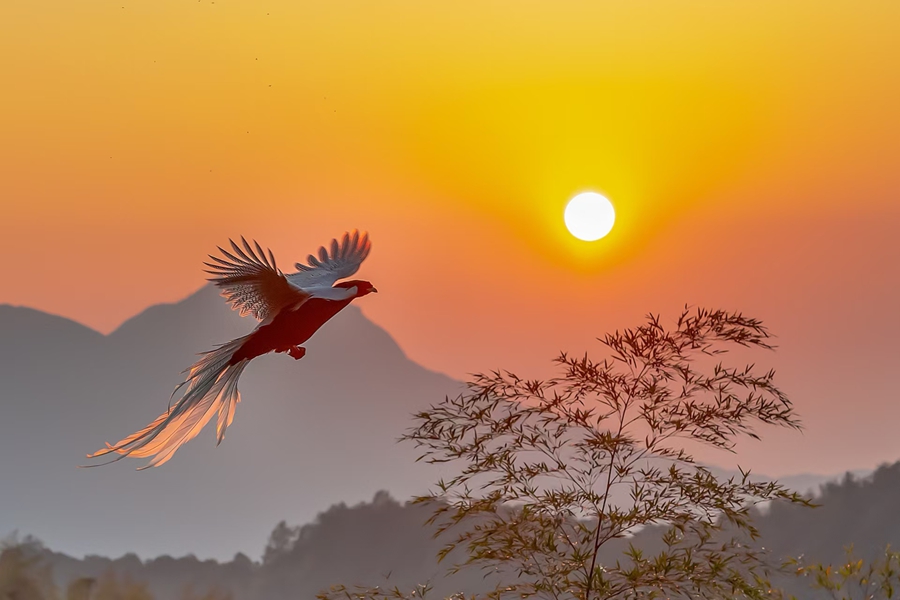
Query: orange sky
{"points": [[752, 151]]}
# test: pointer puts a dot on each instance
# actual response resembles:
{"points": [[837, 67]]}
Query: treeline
{"points": [[385, 542], [27, 573], [858, 511]]}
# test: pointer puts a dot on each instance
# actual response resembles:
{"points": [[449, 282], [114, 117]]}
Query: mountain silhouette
{"points": [[307, 434]]}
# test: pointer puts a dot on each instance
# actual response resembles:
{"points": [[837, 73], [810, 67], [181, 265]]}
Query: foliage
{"points": [[110, 587], [188, 593], [22, 574], [341, 592], [856, 579], [281, 541], [554, 471], [80, 589], [25, 575]]}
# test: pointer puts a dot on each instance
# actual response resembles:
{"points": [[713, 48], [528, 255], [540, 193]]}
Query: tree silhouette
{"points": [[551, 472]]}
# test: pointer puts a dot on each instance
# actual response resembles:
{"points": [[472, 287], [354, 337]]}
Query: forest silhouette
{"points": [[385, 541]]}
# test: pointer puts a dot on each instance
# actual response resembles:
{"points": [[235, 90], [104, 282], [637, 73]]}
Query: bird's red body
{"points": [[289, 329]]}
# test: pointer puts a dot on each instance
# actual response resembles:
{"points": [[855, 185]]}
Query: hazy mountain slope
{"points": [[307, 434]]}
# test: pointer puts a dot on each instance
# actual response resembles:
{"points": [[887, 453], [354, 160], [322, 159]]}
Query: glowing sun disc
{"points": [[589, 216]]}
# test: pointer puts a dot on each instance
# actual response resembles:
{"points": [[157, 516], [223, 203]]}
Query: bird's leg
{"points": [[296, 352]]}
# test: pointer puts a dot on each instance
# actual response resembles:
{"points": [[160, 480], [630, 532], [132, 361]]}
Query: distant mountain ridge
{"points": [[307, 434]]}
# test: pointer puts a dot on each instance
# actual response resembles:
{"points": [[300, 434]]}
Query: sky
{"points": [[752, 152]]}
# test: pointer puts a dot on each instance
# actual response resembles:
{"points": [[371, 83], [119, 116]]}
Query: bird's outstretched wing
{"points": [[342, 261], [251, 281]]}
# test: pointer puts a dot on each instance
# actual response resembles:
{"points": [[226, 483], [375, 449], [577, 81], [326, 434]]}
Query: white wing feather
{"points": [[341, 262], [252, 282]]}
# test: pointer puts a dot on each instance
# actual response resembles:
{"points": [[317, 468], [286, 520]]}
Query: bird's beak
{"points": [[374, 291]]}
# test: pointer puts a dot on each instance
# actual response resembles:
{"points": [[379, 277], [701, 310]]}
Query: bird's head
{"points": [[362, 287]]}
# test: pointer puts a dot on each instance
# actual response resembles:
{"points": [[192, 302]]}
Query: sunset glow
{"points": [[737, 140]]}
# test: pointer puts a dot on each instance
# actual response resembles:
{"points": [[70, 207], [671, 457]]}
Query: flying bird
{"points": [[290, 308]]}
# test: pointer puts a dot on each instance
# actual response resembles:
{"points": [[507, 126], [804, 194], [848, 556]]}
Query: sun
{"points": [[589, 216]]}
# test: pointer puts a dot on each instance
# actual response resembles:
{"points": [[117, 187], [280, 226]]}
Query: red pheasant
{"points": [[290, 308]]}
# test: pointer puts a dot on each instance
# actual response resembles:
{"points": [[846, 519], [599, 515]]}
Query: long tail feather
{"points": [[211, 387]]}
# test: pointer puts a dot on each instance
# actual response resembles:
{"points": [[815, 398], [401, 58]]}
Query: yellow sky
{"points": [[137, 135]]}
